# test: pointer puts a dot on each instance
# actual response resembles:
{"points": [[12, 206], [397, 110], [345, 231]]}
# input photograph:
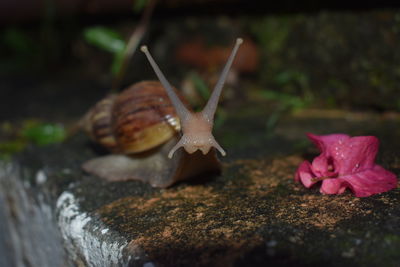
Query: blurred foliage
{"points": [[18, 41], [220, 117], [330, 60], [288, 87], [105, 38], [200, 85], [19, 50], [285, 103], [203, 90], [139, 5], [43, 133], [108, 40], [8, 148], [327, 59], [272, 32], [30, 131]]}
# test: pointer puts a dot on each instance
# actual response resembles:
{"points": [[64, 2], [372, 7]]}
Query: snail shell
{"points": [[138, 119]]}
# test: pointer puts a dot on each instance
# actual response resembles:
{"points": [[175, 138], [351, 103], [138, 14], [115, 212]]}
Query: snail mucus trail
{"points": [[146, 125]]}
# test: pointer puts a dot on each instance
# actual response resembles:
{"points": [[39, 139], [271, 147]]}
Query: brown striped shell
{"points": [[138, 119]]}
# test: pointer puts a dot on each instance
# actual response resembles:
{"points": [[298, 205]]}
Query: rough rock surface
{"points": [[254, 214]]}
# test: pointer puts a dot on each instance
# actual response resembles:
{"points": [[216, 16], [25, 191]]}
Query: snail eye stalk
{"points": [[196, 127]]}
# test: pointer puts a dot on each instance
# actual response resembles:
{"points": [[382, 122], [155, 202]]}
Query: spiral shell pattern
{"points": [[138, 119]]}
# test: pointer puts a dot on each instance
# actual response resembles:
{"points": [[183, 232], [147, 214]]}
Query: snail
{"points": [[153, 135]]}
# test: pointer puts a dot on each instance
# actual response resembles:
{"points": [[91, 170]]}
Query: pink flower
{"points": [[346, 162]]}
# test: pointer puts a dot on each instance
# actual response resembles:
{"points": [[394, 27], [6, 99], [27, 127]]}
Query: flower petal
{"points": [[362, 184], [333, 186], [355, 154], [305, 174], [323, 165], [371, 181], [324, 142]]}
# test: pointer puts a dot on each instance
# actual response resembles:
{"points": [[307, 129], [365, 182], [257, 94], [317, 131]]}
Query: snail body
{"points": [[146, 125]]}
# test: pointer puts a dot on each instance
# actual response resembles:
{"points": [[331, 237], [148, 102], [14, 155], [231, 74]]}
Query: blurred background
{"points": [[59, 57]]}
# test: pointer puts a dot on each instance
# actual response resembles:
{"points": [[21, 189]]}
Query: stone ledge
{"points": [[251, 215]]}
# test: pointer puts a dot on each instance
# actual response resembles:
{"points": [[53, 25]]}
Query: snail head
{"points": [[196, 126]]}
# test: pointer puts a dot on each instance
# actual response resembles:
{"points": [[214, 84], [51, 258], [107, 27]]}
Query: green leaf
{"points": [[117, 62], [44, 133], [105, 38]]}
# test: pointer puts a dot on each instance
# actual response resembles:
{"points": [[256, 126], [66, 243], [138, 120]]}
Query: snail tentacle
{"points": [[175, 148], [179, 106], [219, 148], [211, 106]]}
